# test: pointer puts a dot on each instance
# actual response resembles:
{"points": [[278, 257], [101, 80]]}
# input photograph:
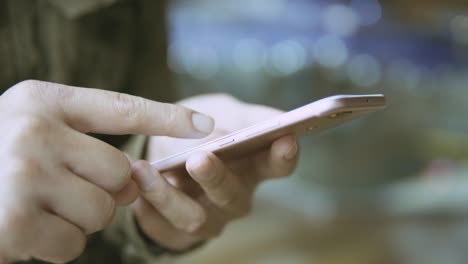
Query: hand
{"points": [[178, 209], [59, 184]]}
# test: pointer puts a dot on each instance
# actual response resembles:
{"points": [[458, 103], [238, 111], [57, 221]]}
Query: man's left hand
{"points": [[179, 209]]}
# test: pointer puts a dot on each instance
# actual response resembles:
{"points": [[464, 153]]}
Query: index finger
{"points": [[106, 112]]}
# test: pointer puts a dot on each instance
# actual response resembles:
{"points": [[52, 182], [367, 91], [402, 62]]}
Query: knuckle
{"points": [[27, 133], [29, 126], [32, 91], [27, 91], [215, 176], [60, 92], [24, 88], [173, 114], [129, 107], [160, 196], [160, 199], [13, 222], [27, 83], [23, 172], [215, 182]]}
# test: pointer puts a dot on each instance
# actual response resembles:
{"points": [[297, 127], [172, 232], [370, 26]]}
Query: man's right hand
{"points": [[59, 184]]}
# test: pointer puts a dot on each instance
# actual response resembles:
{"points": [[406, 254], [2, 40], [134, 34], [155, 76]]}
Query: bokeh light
{"points": [[370, 11], [249, 55], [459, 28], [287, 57], [364, 70], [340, 20], [330, 51], [286, 53]]}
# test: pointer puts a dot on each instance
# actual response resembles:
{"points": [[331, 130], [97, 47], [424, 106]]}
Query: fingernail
{"points": [[202, 123], [145, 177], [292, 152]]}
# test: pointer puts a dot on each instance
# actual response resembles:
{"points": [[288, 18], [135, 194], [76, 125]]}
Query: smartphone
{"points": [[308, 119]]}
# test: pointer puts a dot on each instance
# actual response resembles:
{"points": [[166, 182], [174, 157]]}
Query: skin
{"points": [[197, 205], [61, 185]]}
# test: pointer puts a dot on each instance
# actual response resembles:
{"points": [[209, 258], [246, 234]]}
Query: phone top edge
{"points": [[318, 108], [335, 104]]}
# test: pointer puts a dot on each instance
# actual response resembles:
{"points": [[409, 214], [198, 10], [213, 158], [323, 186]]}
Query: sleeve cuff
{"points": [[124, 232]]}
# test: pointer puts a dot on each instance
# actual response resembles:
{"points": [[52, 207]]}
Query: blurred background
{"points": [[389, 188]]}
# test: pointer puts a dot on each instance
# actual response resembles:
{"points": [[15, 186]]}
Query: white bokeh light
{"points": [[369, 11], [330, 51], [287, 57], [201, 63], [364, 70], [249, 55], [340, 20]]}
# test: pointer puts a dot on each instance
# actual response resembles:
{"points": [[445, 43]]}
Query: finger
{"points": [[79, 202], [220, 184], [128, 195], [57, 240], [158, 228], [94, 110], [279, 161], [182, 181], [17, 226], [179, 209], [95, 161]]}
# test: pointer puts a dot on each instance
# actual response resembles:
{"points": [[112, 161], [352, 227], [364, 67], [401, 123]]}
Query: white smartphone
{"points": [[308, 119]]}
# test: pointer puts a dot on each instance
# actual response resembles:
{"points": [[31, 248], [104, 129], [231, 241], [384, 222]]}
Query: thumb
{"points": [[105, 112]]}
